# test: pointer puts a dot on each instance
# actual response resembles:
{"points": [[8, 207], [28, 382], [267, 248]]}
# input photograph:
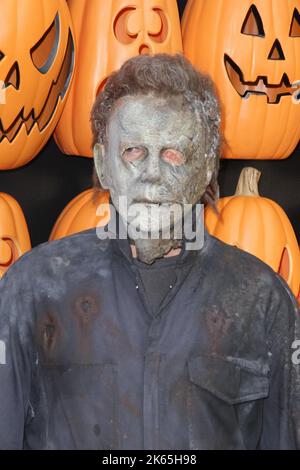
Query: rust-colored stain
{"points": [[217, 325], [86, 308], [49, 331]]}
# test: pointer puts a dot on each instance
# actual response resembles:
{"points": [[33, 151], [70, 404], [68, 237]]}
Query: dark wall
{"points": [[44, 186]]}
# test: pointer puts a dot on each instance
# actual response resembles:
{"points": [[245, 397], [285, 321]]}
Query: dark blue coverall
{"points": [[84, 363]]}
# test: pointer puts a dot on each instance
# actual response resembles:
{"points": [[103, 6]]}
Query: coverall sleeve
{"points": [[16, 352], [281, 413]]}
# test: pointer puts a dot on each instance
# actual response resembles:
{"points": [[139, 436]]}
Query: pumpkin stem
{"points": [[248, 182]]}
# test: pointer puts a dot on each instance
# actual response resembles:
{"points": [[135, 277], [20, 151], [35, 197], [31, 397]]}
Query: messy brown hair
{"points": [[166, 76]]}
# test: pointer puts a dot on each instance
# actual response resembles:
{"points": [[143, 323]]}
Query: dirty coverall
{"points": [[88, 362]]}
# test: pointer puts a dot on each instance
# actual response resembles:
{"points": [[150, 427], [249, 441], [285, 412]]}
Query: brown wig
{"points": [[164, 75]]}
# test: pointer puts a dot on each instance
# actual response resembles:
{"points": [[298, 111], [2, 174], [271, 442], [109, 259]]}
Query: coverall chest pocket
{"points": [[218, 389], [85, 404]]}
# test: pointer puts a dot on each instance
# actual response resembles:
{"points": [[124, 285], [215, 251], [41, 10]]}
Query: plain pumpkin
{"points": [[81, 214], [14, 235], [250, 49], [107, 33], [36, 66], [259, 226]]}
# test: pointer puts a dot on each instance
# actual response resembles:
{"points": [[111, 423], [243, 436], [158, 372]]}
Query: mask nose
{"points": [[152, 173], [276, 52]]}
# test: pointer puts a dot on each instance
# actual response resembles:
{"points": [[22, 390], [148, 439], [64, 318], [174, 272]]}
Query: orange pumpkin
{"points": [[14, 236], [82, 213], [259, 226], [36, 65], [107, 33], [250, 48]]}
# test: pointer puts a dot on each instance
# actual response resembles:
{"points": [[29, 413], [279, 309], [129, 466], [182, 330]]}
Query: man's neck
{"points": [[172, 252]]}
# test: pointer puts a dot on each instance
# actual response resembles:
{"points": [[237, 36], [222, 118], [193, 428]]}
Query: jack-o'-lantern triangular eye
{"points": [[253, 24], [13, 77], [1, 55], [295, 26], [44, 51]]}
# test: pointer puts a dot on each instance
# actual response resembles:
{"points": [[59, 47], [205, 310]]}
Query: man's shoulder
{"points": [[233, 258], [75, 249], [246, 269]]}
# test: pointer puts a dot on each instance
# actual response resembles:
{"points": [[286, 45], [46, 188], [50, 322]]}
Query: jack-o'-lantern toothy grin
{"points": [[56, 92], [260, 86]]}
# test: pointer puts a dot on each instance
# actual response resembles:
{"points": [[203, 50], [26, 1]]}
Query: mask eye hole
{"points": [[44, 51], [295, 25], [173, 157], [133, 154], [253, 24]]}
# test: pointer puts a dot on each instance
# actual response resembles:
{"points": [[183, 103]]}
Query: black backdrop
{"points": [[44, 186]]}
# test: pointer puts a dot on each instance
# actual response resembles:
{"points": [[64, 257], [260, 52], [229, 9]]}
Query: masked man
{"points": [[149, 342]]}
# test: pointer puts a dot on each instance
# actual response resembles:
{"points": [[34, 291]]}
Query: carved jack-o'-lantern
{"points": [[87, 210], [14, 236], [36, 64], [107, 33], [250, 49]]}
